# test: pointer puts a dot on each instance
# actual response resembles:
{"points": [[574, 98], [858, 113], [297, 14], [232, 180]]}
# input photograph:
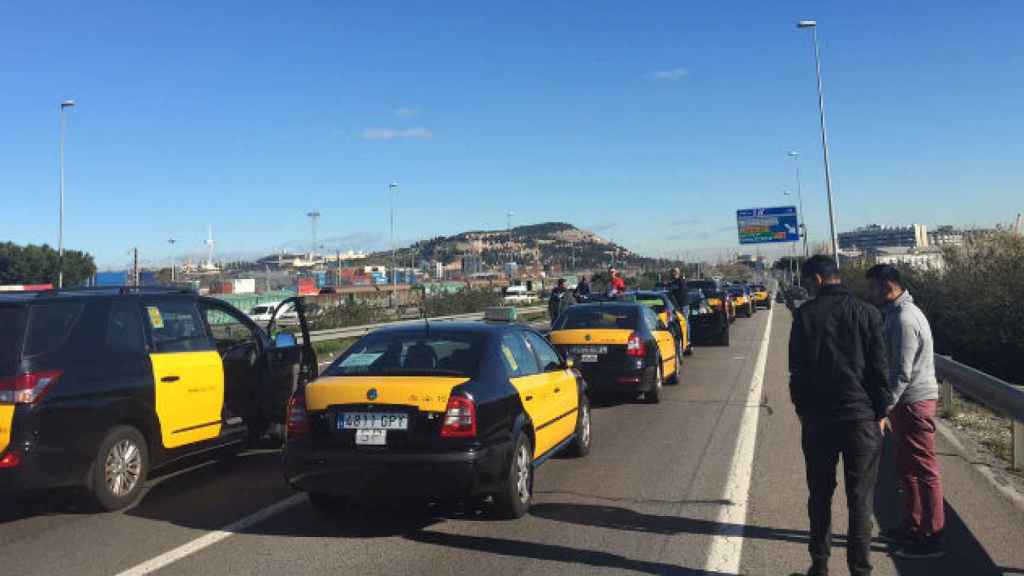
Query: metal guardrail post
{"points": [[1017, 444], [946, 395]]}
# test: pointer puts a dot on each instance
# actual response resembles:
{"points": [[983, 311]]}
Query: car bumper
{"points": [[26, 476], [630, 378], [382, 474]]}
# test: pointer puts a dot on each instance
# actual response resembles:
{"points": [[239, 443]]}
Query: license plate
{"points": [[371, 437], [589, 350], [373, 421], [588, 358]]}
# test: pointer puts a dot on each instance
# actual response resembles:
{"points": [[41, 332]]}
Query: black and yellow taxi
{"points": [[709, 324], [618, 347], [742, 297], [669, 312], [717, 297], [99, 386], [442, 410], [762, 297]]}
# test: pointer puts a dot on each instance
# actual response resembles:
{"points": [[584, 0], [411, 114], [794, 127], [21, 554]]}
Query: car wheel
{"points": [[676, 379], [689, 348], [514, 499], [654, 395], [580, 447], [768, 306], [120, 468], [327, 503], [723, 339]]}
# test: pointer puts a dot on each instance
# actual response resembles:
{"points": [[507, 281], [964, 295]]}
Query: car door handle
{"points": [[170, 379], [528, 398], [557, 390]]}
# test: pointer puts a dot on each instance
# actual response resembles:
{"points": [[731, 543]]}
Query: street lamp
{"points": [[171, 241], [508, 230], [813, 25], [800, 197], [394, 272], [60, 232]]}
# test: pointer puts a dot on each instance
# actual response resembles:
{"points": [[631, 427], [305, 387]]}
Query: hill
{"points": [[547, 243]]}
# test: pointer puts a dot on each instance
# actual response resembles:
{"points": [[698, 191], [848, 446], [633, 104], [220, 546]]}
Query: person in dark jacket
{"points": [[560, 299], [582, 291], [677, 287], [840, 386]]}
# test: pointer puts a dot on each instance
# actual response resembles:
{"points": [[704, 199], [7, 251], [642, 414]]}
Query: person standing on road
{"points": [[839, 384], [677, 287], [616, 285], [912, 414], [559, 300], [582, 290]]}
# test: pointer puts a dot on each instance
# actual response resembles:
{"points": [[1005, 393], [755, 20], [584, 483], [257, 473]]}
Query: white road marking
{"points": [[726, 548], [189, 548]]}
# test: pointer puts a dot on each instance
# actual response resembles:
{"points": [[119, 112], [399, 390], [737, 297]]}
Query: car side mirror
{"points": [[284, 340], [569, 363], [662, 325]]}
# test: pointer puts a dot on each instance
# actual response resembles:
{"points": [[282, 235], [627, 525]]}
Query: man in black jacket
{"points": [[840, 386]]}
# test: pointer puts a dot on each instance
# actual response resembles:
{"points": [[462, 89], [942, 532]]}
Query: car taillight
{"points": [[27, 388], [459, 418], [297, 423], [10, 460], [635, 346]]}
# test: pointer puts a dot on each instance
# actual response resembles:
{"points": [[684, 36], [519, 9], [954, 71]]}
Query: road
{"points": [[662, 492]]}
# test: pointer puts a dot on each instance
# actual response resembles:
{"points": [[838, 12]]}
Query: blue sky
{"points": [[649, 123]]}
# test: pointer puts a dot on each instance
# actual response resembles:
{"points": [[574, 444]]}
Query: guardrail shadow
{"points": [[964, 553]]}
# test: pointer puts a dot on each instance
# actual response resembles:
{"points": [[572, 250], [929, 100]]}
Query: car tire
{"points": [[653, 396], [768, 306], [327, 503], [120, 469], [513, 501], [723, 338], [580, 447]]}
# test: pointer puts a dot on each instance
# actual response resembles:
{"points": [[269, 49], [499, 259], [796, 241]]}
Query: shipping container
{"points": [[244, 286], [305, 286], [112, 278]]}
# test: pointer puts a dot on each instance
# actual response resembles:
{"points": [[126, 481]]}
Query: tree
{"points": [[32, 264]]}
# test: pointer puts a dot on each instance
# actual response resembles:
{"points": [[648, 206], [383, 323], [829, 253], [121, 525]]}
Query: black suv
{"points": [[97, 386]]}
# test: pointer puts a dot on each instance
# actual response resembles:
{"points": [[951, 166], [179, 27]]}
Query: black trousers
{"points": [[859, 443]]}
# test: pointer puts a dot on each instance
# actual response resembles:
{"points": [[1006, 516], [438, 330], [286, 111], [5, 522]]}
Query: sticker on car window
{"points": [[511, 359], [361, 360], [155, 319]]}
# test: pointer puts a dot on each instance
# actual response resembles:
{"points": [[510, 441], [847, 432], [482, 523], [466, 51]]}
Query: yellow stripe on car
{"points": [[427, 393], [6, 419], [590, 336]]}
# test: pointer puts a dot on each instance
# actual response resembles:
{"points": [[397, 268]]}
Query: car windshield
{"points": [[260, 310], [597, 317], [412, 354]]}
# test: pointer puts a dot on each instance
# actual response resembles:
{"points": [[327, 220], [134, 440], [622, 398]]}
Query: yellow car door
{"points": [[534, 388], [665, 341], [188, 373], [564, 394], [684, 329]]}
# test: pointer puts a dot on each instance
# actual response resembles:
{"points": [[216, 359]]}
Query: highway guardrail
{"points": [[362, 330], [998, 395]]}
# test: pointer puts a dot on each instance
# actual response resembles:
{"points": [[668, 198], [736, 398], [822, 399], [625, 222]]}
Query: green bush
{"points": [[974, 305], [464, 301]]}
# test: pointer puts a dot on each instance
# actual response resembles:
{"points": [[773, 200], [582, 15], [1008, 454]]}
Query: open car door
{"points": [[292, 360]]}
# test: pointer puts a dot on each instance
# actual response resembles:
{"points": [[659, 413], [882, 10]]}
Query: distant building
{"points": [[472, 265], [511, 268], [917, 258], [945, 237], [874, 236], [438, 271]]}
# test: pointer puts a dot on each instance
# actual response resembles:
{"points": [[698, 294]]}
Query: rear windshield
{"points": [[599, 317], [411, 354], [705, 285], [12, 318], [49, 325]]}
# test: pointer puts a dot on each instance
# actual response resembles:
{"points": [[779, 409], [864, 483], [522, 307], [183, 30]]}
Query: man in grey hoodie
{"points": [[911, 413]]}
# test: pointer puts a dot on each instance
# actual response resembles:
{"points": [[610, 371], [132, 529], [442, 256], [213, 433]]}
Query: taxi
{"points": [[440, 410], [618, 347], [762, 297], [99, 386], [717, 297], [668, 312], [742, 297]]}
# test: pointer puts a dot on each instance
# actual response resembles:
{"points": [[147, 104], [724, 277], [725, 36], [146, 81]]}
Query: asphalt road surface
{"points": [[660, 493]]}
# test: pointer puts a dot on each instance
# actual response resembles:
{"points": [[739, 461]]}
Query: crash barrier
{"points": [[998, 395], [362, 330]]}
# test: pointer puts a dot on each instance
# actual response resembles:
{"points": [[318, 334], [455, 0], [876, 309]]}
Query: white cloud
{"points": [[406, 112], [417, 133], [670, 74]]}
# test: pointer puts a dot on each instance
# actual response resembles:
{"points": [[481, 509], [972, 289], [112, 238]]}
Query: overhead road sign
{"points": [[768, 225]]}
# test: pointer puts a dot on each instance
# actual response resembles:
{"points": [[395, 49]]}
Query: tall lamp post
{"points": [[171, 241], [813, 25], [394, 272], [508, 230], [60, 231], [800, 199]]}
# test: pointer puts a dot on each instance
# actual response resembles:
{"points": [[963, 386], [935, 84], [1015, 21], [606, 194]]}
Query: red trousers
{"points": [[913, 427]]}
